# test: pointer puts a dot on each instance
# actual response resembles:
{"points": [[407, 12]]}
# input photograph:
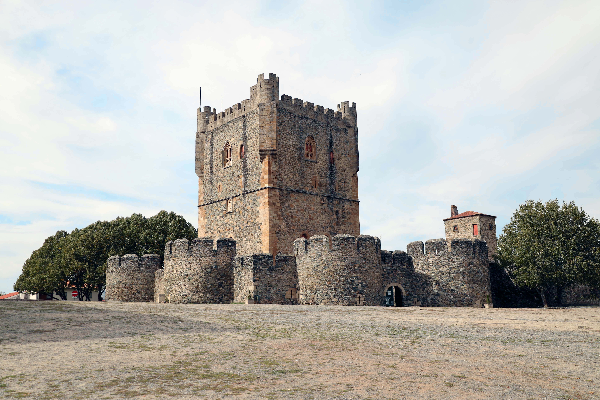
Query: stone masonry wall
{"points": [[464, 230], [338, 275], [269, 194], [265, 280], [159, 286], [195, 272], [238, 183], [320, 196], [131, 278], [398, 270], [458, 269]]}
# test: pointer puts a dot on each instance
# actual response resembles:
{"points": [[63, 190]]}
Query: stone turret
{"points": [[348, 273], [196, 272], [131, 278]]}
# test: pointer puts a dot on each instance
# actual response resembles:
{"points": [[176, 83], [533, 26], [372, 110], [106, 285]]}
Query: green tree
{"points": [[550, 246], [45, 270], [79, 258]]}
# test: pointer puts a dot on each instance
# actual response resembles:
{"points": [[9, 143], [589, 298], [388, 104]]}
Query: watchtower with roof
{"points": [[472, 225]]}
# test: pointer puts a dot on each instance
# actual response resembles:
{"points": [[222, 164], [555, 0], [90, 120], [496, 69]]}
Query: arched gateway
{"points": [[394, 295]]}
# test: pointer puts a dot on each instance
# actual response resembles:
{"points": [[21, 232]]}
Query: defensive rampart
{"points": [[458, 270], [346, 273], [200, 271], [131, 278], [261, 279]]}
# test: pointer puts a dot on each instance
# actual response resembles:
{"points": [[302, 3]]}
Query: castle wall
{"points": [[195, 272], [320, 196], [131, 278], [458, 271], [264, 280], [159, 286], [338, 275], [238, 183], [398, 270]]}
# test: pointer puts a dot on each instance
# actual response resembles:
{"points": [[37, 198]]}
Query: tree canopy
{"points": [[79, 258], [550, 246]]}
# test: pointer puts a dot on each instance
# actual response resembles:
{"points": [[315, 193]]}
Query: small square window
{"points": [[455, 228]]}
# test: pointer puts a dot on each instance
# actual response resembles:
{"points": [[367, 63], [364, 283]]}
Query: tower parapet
{"points": [[131, 278], [265, 90], [196, 272], [348, 112]]}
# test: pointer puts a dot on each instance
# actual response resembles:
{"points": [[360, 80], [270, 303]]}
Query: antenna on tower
{"points": [[200, 96]]}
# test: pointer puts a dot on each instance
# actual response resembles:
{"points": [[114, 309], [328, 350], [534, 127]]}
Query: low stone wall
{"points": [[196, 272], [265, 280], [458, 271], [131, 278]]}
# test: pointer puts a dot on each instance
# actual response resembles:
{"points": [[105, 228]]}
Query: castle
{"points": [[278, 222]]}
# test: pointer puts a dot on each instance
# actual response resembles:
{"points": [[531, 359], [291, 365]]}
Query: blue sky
{"points": [[480, 104]]}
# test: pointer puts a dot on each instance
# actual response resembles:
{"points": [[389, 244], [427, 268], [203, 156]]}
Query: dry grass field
{"points": [[127, 350]]}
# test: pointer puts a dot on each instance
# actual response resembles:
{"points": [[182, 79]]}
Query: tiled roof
{"points": [[6, 296], [468, 214]]}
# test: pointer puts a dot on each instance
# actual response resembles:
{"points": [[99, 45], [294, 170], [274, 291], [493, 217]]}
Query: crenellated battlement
{"points": [[344, 114], [469, 248], [441, 247], [341, 246], [133, 263], [199, 247], [396, 259], [267, 91]]}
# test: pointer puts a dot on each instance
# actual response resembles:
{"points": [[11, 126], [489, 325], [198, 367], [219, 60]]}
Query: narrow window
{"points": [[229, 204], [331, 158], [475, 230], [227, 155], [310, 149], [242, 151], [455, 228]]}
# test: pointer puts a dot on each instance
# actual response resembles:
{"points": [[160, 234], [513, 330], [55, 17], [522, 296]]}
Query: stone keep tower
{"points": [[271, 170]]}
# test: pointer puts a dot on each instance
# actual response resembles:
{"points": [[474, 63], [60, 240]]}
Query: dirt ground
{"points": [[122, 350]]}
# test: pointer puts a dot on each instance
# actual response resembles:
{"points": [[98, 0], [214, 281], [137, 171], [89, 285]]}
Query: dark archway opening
{"points": [[393, 297]]}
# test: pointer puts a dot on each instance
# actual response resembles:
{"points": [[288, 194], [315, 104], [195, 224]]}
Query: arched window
{"points": [[310, 149], [227, 155]]}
